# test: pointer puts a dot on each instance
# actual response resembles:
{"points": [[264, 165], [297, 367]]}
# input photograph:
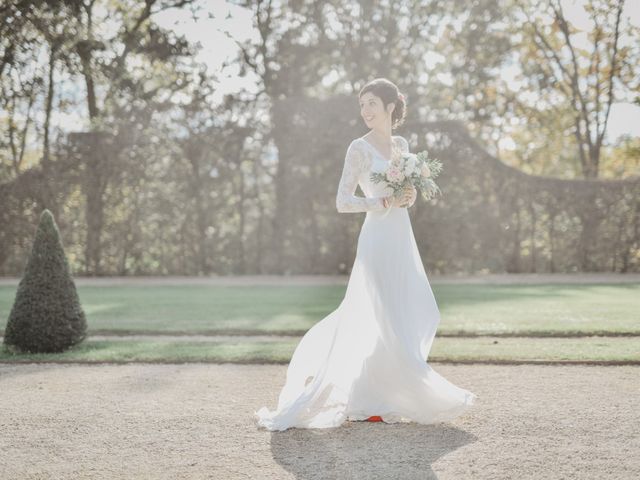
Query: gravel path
{"points": [[194, 421]]}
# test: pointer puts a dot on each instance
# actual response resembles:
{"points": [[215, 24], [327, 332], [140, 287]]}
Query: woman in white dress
{"points": [[366, 360]]}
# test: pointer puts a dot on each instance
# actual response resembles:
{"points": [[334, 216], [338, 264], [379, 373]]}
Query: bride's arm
{"points": [[346, 201]]}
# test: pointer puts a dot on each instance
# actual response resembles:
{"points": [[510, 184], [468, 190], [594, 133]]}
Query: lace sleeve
{"points": [[346, 201]]}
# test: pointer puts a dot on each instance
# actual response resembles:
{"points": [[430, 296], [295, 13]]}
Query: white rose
{"points": [[410, 164]]}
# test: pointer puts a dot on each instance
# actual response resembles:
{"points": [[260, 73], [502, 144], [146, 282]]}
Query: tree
{"points": [[300, 46], [561, 74], [128, 71]]}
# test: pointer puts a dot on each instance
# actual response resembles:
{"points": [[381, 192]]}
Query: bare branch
{"points": [[594, 69], [564, 28], [612, 72]]}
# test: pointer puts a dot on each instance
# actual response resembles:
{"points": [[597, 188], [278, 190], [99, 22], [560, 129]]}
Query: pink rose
{"points": [[394, 174]]}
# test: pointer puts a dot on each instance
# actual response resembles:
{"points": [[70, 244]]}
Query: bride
{"points": [[366, 360]]}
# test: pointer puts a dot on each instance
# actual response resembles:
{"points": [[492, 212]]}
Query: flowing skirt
{"points": [[368, 357]]}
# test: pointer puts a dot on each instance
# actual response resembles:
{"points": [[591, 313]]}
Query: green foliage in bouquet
{"points": [[46, 316], [408, 169], [427, 185]]}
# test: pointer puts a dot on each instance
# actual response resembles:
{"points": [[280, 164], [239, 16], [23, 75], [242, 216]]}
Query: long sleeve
{"points": [[346, 201]]}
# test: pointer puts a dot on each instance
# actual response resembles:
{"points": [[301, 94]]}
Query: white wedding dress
{"points": [[368, 357]]}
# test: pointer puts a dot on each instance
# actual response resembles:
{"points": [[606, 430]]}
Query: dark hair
{"points": [[387, 91]]}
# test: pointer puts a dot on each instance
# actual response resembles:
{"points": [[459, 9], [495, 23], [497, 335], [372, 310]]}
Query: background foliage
{"points": [[167, 176]]}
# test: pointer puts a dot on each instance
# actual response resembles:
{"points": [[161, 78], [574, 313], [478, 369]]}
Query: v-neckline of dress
{"points": [[375, 149]]}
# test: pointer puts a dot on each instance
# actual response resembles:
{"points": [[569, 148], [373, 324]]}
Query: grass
{"points": [[500, 323], [197, 309], [540, 309], [482, 349], [469, 309]]}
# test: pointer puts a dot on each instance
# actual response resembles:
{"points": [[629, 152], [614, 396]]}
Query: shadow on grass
{"points": [[477, 294], [293, 310]]}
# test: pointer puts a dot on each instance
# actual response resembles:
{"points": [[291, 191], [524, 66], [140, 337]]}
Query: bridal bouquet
{"points": [[415, 169]]}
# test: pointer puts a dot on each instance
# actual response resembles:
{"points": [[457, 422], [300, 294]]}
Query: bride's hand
{"points": [[414, 195], [407, 198]]}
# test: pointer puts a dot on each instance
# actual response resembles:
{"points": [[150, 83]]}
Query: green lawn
{"points": [[472, 309], [450, 349], [465, 309]]}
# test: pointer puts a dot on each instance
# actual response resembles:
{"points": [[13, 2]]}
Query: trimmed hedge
{"points": [[46, 316]]}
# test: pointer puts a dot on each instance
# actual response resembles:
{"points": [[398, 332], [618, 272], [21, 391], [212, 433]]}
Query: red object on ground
{"points": [[374, 418]]}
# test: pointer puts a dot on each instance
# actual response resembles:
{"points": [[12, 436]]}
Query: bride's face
{"points": [[373, 112]]}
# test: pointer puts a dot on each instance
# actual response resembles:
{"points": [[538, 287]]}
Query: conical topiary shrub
{"points": [[46, 315]]}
